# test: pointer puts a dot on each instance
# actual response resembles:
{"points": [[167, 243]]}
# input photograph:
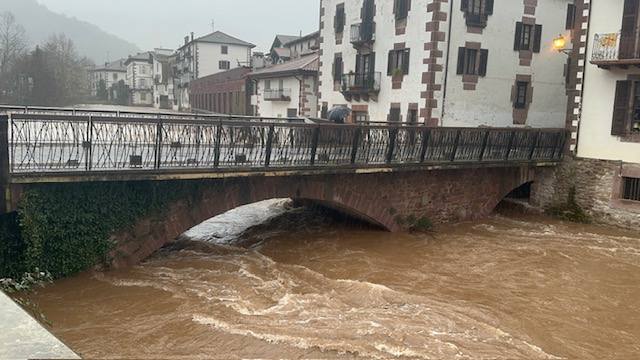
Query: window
{"points": [[412, 116], [398, 60], [522, 88], [472, 61], [224, 49], [528, 37], [143, 96], [360, 116], [339, 19], [267, 84], [631, 188], [224, 65], [115, 77], [338, 68], [394, 115], [571, 16], [291, 113], [401, 9], [626, 109], [476, 11]]}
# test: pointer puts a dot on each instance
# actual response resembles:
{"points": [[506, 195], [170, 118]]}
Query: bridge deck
{"points": [[52, 147]]}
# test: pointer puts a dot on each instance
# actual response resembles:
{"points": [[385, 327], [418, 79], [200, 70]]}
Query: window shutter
{"points": [[488, 10], [621, 108], [461, 53], [628, 37], [372, 65], [537, 38], [516, 42], [484, 58], [358, 64], [571, 16], [464, 5], [390, 63], [405, 61]]}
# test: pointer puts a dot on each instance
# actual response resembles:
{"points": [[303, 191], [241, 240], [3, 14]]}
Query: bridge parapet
{"points": [[48, 146]]}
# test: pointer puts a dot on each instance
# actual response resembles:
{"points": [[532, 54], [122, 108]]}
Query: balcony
{"points": [[277, 95], [363, 34], [613, 50], [360, 85]]}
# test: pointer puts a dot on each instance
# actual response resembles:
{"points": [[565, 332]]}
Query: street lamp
{"points": [[560, 45]]}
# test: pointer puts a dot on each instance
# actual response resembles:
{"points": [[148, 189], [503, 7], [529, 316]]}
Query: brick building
{"points": [[226, 92]]}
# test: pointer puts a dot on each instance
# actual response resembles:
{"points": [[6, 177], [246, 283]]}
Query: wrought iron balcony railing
{"points": [[363, 33], [368, 83], [606, 47], [81, 145], [277, 94]]}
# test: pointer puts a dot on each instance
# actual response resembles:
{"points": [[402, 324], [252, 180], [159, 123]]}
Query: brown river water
{"points": [[307, 286]]}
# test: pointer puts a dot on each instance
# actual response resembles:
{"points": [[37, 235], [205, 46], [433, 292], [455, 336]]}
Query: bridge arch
{"points": [[382, 199]]}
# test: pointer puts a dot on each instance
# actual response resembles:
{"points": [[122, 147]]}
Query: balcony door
{"points": [[365, 67], [629, 36]]}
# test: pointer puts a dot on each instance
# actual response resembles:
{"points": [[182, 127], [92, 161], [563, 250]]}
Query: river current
{"points": [[305, 285]]}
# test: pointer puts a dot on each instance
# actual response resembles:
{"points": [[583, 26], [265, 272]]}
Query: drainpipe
{"points": [[446, 65], [301, 81]]}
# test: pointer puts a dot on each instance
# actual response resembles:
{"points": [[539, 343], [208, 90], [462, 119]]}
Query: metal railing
{"points": [[606, 47], [79, 145], [363, 33], [277, 94], [361, 83]]}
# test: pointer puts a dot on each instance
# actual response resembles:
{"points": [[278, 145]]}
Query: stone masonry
{"points": [[597, 184], [381, 198]]}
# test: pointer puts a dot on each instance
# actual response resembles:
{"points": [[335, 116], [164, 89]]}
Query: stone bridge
{"points": [[388, 175]]}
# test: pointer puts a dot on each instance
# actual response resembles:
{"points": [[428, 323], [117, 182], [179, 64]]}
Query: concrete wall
{"points": [[426, 33], [595, 139]]}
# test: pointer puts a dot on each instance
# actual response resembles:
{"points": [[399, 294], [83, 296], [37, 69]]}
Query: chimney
{"points": [[192, 36]]}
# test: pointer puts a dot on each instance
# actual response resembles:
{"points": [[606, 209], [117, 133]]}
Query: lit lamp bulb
{"points": [[559, 43]]}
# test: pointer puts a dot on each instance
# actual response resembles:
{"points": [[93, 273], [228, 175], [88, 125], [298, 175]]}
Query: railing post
{"points": [[267, 156], [5, 170], [393, 135], [89, 144], [485, 142], [314, 145], [158, 154], [510, 145], [425, 144], [455, 146], [216, 151], [534, 145], [355, 144]]}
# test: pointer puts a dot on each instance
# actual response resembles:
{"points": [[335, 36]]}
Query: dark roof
{"points": [[218, 37], [280, 40], [118, 65], [315, 34], [308, 63], [145, 56], [222, 77]]}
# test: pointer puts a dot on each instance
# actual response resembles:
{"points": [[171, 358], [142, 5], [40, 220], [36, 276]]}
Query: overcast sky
{"points": [[164, 23]]}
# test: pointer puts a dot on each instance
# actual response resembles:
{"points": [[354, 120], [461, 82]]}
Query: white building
{"points": [[463, 63], [288, 89], [207, 55], [164, 79], [604, 112], [140, 79], [287, 47], [111, 73]]}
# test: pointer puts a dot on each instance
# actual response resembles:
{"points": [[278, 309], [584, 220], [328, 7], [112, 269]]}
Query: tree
{"points": [[12, 48], [101, 91]]}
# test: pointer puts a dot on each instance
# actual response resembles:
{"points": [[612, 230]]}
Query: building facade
{"points": [[604, 115], [109, 74], [207, 55], [288, 89], [140, 79], [164, 79], [445, 63], [227, 92]]}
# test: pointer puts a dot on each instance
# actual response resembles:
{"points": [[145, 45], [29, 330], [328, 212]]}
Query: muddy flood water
{"points": [[305, 286]]}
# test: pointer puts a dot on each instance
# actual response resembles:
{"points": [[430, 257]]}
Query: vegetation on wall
{"points": [[570, 210], [63, 229]]}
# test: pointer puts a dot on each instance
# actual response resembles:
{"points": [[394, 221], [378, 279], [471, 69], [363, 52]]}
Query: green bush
{"points": [[65, 228]]}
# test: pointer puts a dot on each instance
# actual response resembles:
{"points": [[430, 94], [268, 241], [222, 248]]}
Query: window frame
{"points": [[224, 49], [630, 189], [340, 19], [399, 59], [224, 65], [521, 96]]}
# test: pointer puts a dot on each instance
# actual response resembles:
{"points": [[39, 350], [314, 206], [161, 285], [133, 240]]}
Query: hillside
{"points": [[90, 40]]}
